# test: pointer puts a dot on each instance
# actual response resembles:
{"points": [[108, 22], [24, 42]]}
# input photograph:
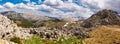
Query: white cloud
{"points": [[51, 8], [1, 7], [9, 5], [60, 8], [53, 2], [102, 4], [68, 7], [45, 8], [24, 6]]}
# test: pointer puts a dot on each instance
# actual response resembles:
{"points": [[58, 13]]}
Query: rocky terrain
{"points": [[9, 29]]}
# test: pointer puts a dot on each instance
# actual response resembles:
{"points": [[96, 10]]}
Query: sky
{"points": [[63, 8]]}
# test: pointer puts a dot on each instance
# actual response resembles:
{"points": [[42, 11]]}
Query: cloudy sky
{"points": [[84, 8]]}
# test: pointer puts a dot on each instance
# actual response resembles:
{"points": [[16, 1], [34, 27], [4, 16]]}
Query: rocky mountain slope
{"points": [[104, 17], [25, 19], [27, 16], [8, 29]]}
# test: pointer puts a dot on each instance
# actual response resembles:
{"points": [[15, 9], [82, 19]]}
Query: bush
{"points": [[16, 40], [62, 40]]}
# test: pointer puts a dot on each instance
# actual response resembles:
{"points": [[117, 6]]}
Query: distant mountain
{"points": [[25, 19], [28, 16], [104, 17], [71, 18], [28, 19]]}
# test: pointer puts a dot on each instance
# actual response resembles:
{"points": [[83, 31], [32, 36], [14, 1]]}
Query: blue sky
{"points": [[18, 1], [83, 8]]}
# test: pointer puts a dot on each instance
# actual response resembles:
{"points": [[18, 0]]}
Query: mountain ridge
{"points": [[104, 17]]}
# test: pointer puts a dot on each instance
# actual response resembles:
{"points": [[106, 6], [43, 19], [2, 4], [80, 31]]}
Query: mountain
{"points": [[71, 18], [27, 16], [25, 19], [104, 17], [28, 19]]}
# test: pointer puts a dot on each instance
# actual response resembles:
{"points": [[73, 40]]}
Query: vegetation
{"points": [[23, 23], [51, 23], [104, 35], [37, 40], [16, 40]]}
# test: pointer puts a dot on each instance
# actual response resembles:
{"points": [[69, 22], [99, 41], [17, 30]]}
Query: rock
{"points": [[6, 42], [58, 32], [9, 29], [1, 42]]}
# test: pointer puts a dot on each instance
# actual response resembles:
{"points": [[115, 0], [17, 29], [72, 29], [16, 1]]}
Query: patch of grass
{"points": [[23, 23], [37, 40], [16, 40], [51, 23], [71, 40], [33, 40]]}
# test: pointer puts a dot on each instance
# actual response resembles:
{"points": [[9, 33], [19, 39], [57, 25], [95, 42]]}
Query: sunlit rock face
{"points": [[9, 29]]}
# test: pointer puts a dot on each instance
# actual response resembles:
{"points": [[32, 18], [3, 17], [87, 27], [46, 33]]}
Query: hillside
{"points": [[105, 35], [104, 17]]}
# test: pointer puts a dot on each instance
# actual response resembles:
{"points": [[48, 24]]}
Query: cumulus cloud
{"points": [[56, 8], [9, 5], [69, 7], [1, 7], [53, 2], [46, 8], [102, 4], [65, 8]]}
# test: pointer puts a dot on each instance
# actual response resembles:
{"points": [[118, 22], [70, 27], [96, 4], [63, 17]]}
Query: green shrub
{"points": [[16, 40], [62, 40], [33, 40]]}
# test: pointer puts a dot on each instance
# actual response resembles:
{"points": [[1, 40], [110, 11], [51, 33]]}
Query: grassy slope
{"points": [[50, 23], [104, 35]]}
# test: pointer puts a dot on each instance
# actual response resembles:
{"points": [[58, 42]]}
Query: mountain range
{"points": [[103, 23], [37, 20]]}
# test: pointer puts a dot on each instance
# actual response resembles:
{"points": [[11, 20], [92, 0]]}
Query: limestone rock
{"points": [[9, 29]]}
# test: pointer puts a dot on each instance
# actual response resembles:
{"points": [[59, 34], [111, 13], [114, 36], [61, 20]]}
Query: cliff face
{"points": [[104, 17]]}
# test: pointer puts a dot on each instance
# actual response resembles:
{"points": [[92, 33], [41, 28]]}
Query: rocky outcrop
{"points": [[55, 33], [104, 17], [9, 29]]}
